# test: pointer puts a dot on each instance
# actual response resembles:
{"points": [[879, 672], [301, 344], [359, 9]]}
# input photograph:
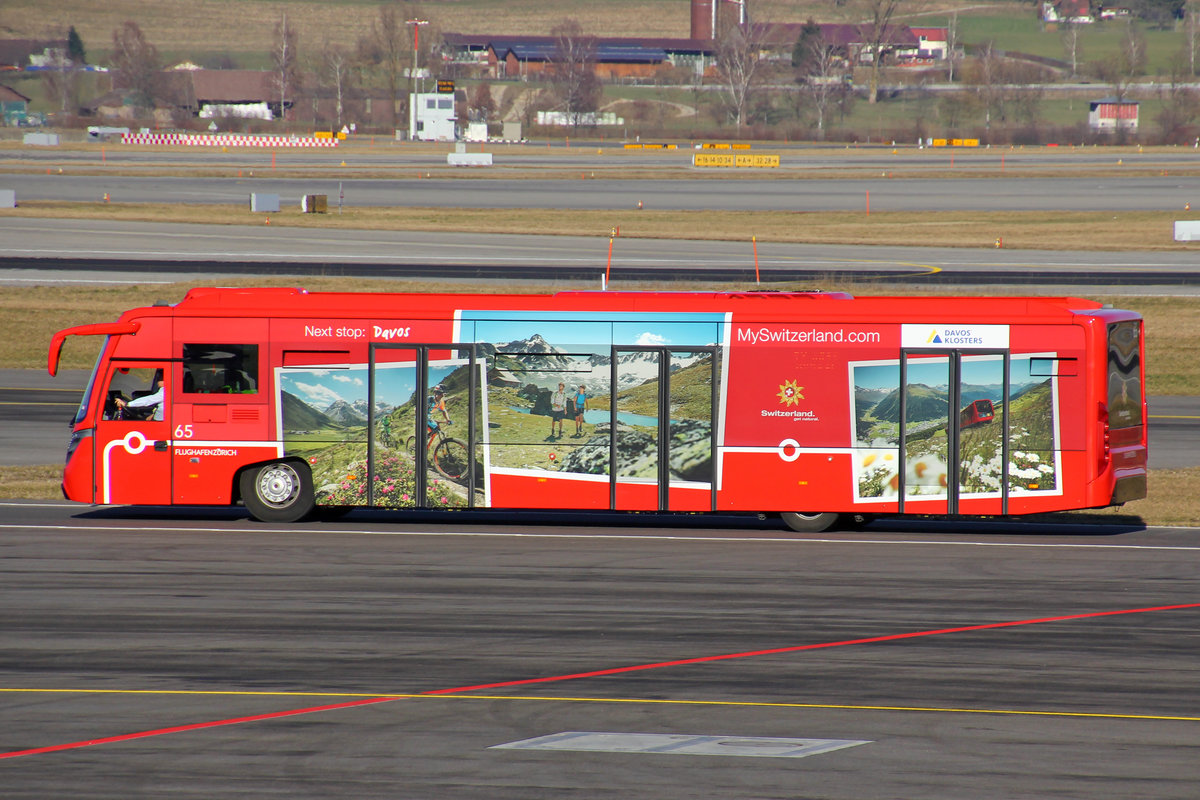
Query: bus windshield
{"points": [[82, 412]]}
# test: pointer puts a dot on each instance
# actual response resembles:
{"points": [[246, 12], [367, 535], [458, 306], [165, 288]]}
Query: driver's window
{"points": [[134, 394]]}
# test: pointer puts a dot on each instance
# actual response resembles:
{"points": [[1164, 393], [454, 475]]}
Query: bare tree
{"points": [[136, 65], [61, 80], [990, 78], [739, 69], [876, 32], [284, 57], [385, 51], [572, 71], [336, 70], [1180, 105], [952, 45], [1133, 50], [1071, 35], [820, 70], [1191, 26], [1025, 86]]}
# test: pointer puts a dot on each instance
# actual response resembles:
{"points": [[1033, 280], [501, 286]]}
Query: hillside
{"points": [[301, 416]]}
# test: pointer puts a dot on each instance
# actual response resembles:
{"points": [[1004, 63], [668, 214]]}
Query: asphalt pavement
{"points": [[932, 194], [156, 653]]}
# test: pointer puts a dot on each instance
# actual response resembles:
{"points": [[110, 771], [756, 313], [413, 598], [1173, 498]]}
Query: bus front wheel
{"points": [[280, 491], [810, 523]]}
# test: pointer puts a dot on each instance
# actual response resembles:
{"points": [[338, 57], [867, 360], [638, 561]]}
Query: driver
{"points": [[153, 400]]}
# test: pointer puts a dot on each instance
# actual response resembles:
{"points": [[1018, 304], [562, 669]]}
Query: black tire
{"points": [[451, 458], [810, 523], [279, 491]]}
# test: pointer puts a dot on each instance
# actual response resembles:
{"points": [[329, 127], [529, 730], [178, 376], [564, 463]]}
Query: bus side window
{"points": [[220, 369]]}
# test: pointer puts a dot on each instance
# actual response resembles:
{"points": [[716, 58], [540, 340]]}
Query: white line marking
{"points": [[607, 536]]}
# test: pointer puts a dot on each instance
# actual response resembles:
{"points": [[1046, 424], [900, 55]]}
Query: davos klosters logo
{"points": [[959, 337]]}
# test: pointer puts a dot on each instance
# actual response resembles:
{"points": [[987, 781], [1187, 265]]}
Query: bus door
{"points": [[424, 420], [133, 434], [662, 414], [954, 412]]}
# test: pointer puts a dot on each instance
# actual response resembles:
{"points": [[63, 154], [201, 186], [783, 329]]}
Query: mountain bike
{"points": [[449, 457]]}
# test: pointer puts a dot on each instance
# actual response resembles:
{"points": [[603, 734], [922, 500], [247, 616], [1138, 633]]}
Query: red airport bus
{"points": [[811, 405], [977, 412]]}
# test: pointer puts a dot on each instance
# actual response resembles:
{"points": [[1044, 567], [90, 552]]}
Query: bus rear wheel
{"points": [[280, 491], [810, 523]]}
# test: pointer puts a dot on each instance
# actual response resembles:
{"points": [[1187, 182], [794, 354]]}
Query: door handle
{"points": [[160, 446]]}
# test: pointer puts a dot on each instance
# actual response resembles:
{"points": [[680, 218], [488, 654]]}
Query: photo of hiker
{"points": [[579, 403], [558, 410]]}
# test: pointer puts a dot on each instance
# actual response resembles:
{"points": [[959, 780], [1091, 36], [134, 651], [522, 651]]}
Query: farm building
{"points": [[855, 43], [1075, 12], [20, 54], [1113, 113], [612, 59]]}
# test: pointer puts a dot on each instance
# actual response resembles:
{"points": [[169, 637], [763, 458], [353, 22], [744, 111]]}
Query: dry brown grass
{"points": [[245, 28], [31, 483], [1130, 230], [1172, 342], [1171, 500]]}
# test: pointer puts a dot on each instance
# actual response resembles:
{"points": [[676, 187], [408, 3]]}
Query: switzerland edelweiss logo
{"points": [[789, 393]]}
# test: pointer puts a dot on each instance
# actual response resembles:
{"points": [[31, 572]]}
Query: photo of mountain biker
{"points": [[435, 404]]}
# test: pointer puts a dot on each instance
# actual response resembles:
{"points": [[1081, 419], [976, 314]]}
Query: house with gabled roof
{"points": [[204, 93], [856, 43], [1076, 12], [931, 42], [14, 106]]}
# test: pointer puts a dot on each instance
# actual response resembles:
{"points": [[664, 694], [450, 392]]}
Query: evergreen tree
{"points": [[75, 51]]}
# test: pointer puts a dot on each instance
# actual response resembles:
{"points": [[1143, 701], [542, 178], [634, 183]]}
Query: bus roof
{"points": [[289, 302]]}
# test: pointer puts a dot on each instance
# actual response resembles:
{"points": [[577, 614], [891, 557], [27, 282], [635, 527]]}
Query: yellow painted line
{"points": [[35, 403], [630, 701], [828, 706], [1174, 416], [39, 389]]}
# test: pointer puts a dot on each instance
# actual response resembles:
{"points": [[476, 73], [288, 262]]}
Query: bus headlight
{"points": [[76, 438]]}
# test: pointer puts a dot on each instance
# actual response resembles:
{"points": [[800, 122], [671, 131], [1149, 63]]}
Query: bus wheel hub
{"points": [[278, 484]]}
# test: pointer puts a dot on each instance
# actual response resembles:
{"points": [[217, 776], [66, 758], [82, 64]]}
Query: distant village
{"points": [[437, 95]]}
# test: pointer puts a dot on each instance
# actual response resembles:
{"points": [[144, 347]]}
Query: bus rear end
{"points": [[1122, 417]]}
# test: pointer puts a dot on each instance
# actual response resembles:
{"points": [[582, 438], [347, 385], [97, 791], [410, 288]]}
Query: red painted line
{"points": [[594, 674], [195, 727], [776, 651]]}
